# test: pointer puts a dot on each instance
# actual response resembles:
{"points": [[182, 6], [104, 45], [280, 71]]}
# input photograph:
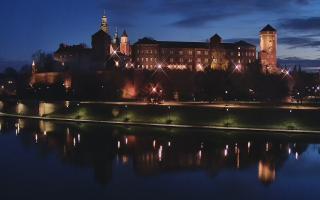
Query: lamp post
{"points": [[227, 111], [169, 113], [126, 110], [226, 96]]}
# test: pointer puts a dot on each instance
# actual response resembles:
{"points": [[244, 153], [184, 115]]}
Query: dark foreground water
{"points": [[46, 160]]}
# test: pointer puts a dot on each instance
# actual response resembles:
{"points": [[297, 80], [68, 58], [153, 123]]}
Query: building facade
{"points": [[148, 53]]}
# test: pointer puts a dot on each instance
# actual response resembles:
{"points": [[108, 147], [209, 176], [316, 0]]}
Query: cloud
{"points": [[199, 13], [197, 21], [298, 42], [191, 13], [291, 42], [307, 24]]}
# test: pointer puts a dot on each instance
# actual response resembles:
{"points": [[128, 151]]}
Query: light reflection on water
{"points": [[82, 160]]}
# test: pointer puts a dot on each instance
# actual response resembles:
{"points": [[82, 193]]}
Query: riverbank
{"points": [[223, 116]]}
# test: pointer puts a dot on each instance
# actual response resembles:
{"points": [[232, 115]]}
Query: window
{"points": [[181, 60], [147, 59], [239, 54], [199, 60], [180, 52], [239, 48], [190, 60], [171, 60], [206, 53], [142, 59], [151, 59], [171, 51], [198, 52], [206, 60], [190, 53], [138, 59]]}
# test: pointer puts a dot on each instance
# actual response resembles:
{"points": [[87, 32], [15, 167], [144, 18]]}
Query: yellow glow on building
{"points": [[46, 108], [21, 109]]}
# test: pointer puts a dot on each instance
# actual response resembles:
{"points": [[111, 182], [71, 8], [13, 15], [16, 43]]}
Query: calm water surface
{"points": [[49, 160]]}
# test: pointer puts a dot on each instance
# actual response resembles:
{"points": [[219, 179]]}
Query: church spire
{"points": [[104, 22]]}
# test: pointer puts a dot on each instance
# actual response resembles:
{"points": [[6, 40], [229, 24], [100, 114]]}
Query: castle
{"points": [[150, 54]]}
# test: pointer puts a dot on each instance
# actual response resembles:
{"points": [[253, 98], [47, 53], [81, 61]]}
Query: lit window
{"points": [[190, 60], [198, 52], [198, 60], [239, 54], [180, 52], [206, 53], [206, 60], [190, 52], [147, 59]]}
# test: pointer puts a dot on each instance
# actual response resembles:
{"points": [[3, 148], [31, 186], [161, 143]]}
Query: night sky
{"points": [[30, 25]]}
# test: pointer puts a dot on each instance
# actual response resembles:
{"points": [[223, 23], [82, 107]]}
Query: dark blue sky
{"points": [[30, 25]]}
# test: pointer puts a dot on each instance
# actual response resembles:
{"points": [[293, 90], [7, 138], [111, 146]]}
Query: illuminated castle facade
{"points": [[107, 51], [150, 54]]}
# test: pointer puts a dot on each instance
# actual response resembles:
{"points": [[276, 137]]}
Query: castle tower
{"points": [[268, 49], [125, 45], [104, 23], [115, 46], [101, 41], [116, 38]]}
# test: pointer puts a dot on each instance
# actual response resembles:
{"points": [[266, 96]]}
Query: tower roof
{"points": [[268, 28], [216, 36], [124, 34]]}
